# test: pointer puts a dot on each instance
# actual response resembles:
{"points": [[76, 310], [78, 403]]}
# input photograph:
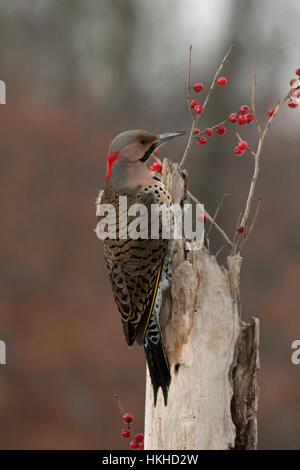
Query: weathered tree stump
{"points": [[213, 355]]}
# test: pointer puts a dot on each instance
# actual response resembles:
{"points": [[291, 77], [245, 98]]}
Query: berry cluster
{"points": [[295, 91], [197, 107], [245, 116], [241, 147], [138, 441], [294, 94], [198, 87], [209, 132]]}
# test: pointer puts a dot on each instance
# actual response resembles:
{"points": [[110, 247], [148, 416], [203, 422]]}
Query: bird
{"points": [[138, 268]]}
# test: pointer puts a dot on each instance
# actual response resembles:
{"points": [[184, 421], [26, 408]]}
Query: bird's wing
{"points": [[134, 282], [134, 268]]}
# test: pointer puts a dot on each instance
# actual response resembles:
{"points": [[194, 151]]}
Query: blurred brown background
{"points": [[77, 73]]}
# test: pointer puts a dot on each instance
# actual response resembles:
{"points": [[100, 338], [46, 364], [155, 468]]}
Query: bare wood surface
{"points": [[245, 397]]}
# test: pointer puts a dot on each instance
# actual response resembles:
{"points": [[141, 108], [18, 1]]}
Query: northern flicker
{"points": [[138, 267]]}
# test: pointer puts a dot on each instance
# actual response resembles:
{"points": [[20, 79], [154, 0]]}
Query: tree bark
{"points": [[213, 356]]}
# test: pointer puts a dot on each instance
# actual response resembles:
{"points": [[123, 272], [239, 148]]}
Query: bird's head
{"points": [[135, 146]]}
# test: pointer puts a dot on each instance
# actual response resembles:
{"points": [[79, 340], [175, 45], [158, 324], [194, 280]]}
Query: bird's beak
{"points": [[163, 138]]}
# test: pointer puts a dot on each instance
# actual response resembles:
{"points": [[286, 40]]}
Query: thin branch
{"points": [[219, 251], [116, 396], [248, 148], [219, 205], [212, 86], [194, 118], [252, 223], [236, 235], [253, 101], [257, 161], [197, 134], [187, 149], [221, 231], [188, 82]]}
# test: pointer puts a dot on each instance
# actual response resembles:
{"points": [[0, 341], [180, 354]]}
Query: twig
{"points": [[188, 96], [236, 234], [194, 118], [219, 251], [253, 101], [221, 231], [116, 396], [212, 86], [188, 82], [248, 148], [212, 127], [257, 161], [219, 205], [252, 223]]}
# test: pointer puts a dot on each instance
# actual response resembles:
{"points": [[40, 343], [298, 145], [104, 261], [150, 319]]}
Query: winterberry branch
{"points": [[212, 86], [126, 433], [243, 117], [201, 108], [197, 132], [257, 156]]}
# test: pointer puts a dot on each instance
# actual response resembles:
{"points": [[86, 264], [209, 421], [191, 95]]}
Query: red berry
{"points": [[240, 229], [295, 92], [209, 132], [222, 81], [298, 72], [126, 433], [292, 81], [233, 117], [271, 112], [157, 166], [242, 120], [293, 103], [221, 130], [156, 151], [201, 140], [242, 145], [128, 418], [250, 117], [194, 103], [244, 109], [141, 445], [198, 87], [134, 445], [139, 437], [238, 151], [198, 109]]}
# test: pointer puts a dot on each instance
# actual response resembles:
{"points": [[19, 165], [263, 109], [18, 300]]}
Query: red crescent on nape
{"points": [[110, 161]]}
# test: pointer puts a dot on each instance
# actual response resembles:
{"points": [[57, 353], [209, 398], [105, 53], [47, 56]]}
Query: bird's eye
{"points": [[143, 141]]}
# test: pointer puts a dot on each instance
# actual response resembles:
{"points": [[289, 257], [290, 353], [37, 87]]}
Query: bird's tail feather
{"points": [[159, 368]]}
